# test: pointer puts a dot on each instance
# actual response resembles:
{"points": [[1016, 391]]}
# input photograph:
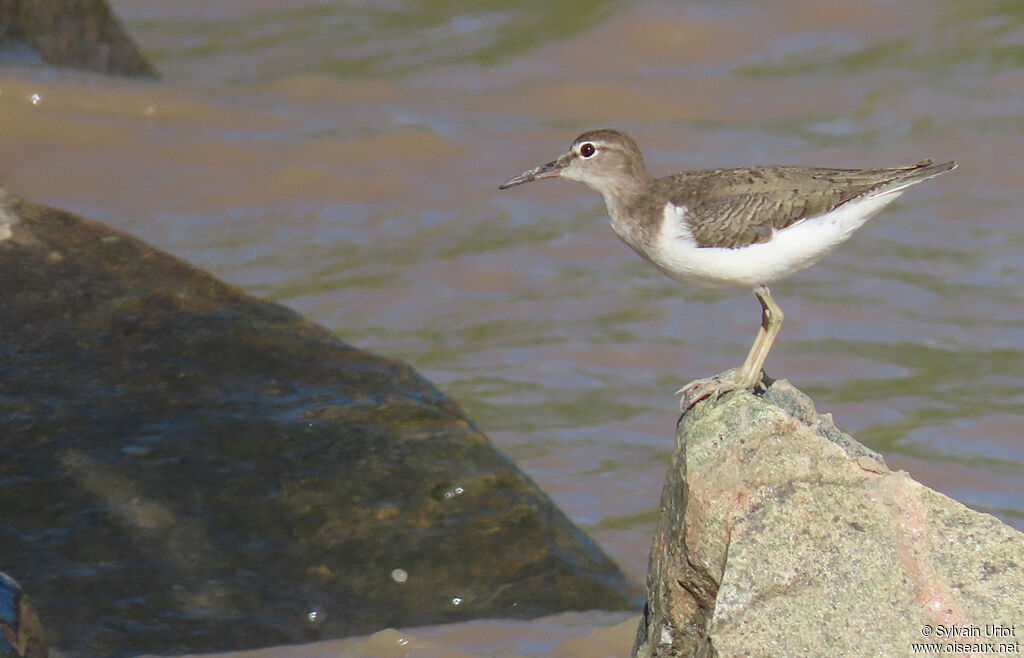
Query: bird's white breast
{"points": [[677, 253]]}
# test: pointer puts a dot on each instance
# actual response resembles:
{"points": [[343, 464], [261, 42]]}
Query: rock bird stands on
{"points": [[743, 226]]}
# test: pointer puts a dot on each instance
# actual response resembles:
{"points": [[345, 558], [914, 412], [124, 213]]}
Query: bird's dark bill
{"points": [[548, 170]]}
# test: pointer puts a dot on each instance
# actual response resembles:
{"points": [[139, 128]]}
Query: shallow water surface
{"points": [[343, 159]]}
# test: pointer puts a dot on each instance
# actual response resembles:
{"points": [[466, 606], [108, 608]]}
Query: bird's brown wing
{"points": [[742, 206]]}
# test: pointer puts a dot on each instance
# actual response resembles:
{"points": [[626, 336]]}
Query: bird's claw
{"points": [[699, 389], [713, 388]]}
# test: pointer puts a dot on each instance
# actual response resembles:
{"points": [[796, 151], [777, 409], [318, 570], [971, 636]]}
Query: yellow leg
{"points": [[743, 373], [771, 322], [749, 373]]}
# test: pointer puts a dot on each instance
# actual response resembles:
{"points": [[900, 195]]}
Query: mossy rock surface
{"points": [[186, 468], [782, 536]]}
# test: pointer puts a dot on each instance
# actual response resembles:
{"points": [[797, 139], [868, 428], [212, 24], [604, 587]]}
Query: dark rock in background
{"points": [[186, 468], [82, 34], [781, 536]]}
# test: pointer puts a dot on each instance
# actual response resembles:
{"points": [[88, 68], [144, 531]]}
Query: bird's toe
{"points": [[700, 389]]}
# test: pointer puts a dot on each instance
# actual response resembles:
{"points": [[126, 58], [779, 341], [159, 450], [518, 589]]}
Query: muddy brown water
{"points": [[343, 158]]}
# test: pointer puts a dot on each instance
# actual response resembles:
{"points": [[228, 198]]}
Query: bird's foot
{"points": [[713, 388]]}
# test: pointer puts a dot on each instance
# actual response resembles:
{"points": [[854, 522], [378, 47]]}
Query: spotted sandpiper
{"points": [[741, 226]]}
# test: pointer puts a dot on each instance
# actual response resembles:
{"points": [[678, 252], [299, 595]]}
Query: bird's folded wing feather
{"points": [[742, 206]]}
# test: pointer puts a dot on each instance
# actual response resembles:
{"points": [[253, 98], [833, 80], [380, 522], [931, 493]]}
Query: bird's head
{"points": [[602, 159]]}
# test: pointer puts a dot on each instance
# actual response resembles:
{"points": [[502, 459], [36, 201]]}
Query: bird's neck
{"points": [[622, 195]]}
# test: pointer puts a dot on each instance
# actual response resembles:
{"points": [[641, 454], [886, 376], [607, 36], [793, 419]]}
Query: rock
{"points": [[21, 632], [81, 34], [781, 536], [185, 468]]}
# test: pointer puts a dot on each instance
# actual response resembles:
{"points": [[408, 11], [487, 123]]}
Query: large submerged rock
{"points": [[186, 468], [81, 34], [782, 536]]}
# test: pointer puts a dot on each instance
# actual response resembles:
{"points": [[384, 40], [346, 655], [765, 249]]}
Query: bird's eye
{"points": [[587, 150]]}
